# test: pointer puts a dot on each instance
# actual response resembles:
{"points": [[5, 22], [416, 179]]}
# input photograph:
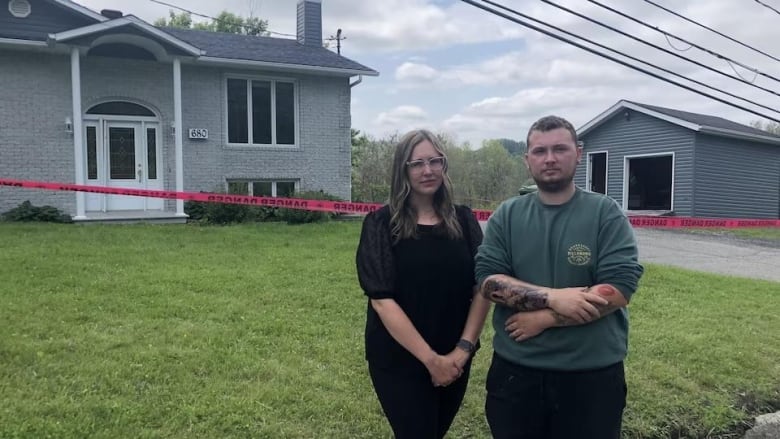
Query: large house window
{"points": [[262, 188], [261, 111]]}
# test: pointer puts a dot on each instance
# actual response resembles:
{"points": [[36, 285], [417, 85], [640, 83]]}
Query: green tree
{"points": [[481, 178], [226, 22], [500, 174], [513, 147], [371, 164], [182, 21], [770, 127], [463, 171]]}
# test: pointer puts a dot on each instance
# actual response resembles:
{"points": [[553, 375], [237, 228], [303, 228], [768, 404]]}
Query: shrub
{"points": [[297, 216], [195, 209], [28, 213], [260, 214], [219, 213]]}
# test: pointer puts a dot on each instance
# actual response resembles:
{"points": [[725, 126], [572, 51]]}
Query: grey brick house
{"points": [[658, 159], [110, 100]]}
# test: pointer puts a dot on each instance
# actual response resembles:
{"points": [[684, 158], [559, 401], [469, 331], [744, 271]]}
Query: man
{"points": [[561, 265]]}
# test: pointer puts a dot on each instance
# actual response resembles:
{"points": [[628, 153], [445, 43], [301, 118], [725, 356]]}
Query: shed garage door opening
{"points": [[650, 182]]}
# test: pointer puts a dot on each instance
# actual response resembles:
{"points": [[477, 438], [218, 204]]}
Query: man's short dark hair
{"points": [[549, 123]]}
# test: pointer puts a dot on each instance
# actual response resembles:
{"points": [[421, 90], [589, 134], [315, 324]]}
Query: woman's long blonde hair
{"points": [[403, 216]]}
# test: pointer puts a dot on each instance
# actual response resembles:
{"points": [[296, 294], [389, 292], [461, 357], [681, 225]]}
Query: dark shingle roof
{"points": [[707, 121], [264, 49]]}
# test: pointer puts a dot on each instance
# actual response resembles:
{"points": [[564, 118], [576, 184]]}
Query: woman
{"points": [[415, 262]]}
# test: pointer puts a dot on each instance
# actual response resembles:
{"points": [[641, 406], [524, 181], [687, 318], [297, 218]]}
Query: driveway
{"points": [[710, 253]]}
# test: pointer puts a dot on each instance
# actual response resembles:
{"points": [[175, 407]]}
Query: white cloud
{"points": [[512, 68], [508, 116], [393, 25], [401, 118], [416, 73]]}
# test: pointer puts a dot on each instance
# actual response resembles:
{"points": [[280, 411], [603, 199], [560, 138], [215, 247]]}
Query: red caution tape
{"points": [[680, 221], [350, 207], [290, 203]]}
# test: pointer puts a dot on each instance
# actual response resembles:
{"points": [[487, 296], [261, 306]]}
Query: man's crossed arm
{"points": [[541, 308]]}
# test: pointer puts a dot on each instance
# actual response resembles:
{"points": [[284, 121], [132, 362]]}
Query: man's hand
{"points": [[614, 301], [524, 325], [609, 292], [575, 303]]}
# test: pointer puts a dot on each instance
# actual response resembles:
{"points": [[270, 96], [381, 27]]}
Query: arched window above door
{"points": [[121, 108]]}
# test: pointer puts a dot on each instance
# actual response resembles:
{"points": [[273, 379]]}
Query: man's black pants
{"points": [[527, 403]]}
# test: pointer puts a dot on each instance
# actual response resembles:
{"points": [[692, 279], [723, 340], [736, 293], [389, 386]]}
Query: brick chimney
{"points": [[310, 22]]}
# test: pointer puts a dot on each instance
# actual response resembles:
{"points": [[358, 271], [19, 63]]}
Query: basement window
{"points": [[262, 188], [19, 8]]}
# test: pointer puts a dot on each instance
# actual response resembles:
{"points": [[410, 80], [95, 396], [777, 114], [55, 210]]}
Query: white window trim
{"points": [[250, 181], [588, 176], [112, 118], [273, 80], [639, 156]]}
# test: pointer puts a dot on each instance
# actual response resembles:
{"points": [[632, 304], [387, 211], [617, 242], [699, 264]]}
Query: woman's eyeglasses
{"points": [[435, 163]]}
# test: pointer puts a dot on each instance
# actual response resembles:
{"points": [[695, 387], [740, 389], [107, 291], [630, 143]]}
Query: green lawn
{"points": [[257, 331]]}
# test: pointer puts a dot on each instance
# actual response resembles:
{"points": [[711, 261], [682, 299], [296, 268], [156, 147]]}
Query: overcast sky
{"points": [[449, 66]]}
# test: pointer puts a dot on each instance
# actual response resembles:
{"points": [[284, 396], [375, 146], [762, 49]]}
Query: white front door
{"points": [[123, 154]]}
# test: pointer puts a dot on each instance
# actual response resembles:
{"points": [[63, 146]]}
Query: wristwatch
{"points": [[466, 345]]}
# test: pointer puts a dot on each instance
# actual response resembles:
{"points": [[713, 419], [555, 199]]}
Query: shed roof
{"points": [[694, 121]]}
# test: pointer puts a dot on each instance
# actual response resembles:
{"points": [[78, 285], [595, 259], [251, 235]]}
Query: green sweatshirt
{"points": [[584, 242]]}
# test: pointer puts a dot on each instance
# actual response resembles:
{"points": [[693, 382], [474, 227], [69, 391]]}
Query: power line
{"points": [[252, 28], [740, 75], [712, 30], [633, 58], [704, 49], [767, 6], [669, 42], [655, 46], [611, 58]]}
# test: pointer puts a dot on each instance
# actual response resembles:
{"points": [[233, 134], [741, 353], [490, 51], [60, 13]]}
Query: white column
{"points": [[178, 134], [78, 135]]}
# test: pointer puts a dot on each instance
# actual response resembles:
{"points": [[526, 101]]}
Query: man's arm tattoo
{"points": [[562, 320], [517, 297]]}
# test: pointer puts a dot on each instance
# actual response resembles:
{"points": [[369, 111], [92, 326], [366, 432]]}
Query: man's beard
{"points": [[554, 187]]}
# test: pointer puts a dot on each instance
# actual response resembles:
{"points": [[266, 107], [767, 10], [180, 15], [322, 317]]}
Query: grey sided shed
{"points": [[655, 160]]}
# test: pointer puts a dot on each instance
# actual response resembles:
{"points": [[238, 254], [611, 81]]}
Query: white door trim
{"points": [[140, 125], [588, 170]]}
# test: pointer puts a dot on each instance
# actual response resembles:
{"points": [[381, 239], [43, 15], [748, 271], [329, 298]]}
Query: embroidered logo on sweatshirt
{"points": [[579, 254]]}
